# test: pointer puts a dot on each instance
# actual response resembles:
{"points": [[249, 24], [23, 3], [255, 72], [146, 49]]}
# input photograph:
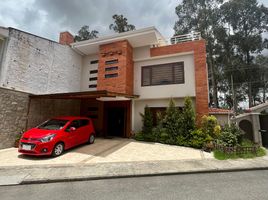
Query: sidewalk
{"points": [[74, 172]]}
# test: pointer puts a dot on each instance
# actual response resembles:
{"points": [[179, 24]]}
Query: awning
{"points": [[84, 95]]}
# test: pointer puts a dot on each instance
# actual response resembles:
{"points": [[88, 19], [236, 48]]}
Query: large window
{"points": [[164, 74]]}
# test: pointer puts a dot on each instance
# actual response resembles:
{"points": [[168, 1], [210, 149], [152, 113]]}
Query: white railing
{"points": [[185, 38], [193, 36]]}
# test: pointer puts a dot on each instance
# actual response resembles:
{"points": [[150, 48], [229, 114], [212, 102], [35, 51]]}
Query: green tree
{"points": [[202, 16], [121, 24], [247, 20], [188, 118], [262, 63], [147, 119], [172, 122], [85, 34]]}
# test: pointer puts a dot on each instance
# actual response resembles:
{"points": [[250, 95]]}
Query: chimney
{"points": [[66, 38]]}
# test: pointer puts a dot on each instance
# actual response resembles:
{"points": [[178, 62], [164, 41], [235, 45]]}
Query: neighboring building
{"points": [[110, 79], [223, 115], [254, 123]]}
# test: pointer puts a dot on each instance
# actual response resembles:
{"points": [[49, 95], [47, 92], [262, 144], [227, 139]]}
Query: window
{"points": [[74, 124], [84, 122], [111, 68], [92, 116], [111, 75], [109, 62], [95, 71], [53, 124], [94, 62], [92, 86], [164, 74], [93, 79]]}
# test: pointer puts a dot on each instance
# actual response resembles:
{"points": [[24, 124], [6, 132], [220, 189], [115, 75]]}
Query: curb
{"points": [[74, 179]]}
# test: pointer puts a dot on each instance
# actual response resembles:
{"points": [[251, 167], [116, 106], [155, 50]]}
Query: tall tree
{"points": [[85, 34], [262, 63], [247, 21], [202, 16], [121, 24]]}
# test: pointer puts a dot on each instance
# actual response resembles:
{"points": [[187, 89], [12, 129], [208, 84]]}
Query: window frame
{"points": [[150, 67]]}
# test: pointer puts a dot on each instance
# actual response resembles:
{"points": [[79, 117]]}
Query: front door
{"points": [[116, 122]]}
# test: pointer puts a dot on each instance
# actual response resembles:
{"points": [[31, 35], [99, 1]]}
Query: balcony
{"points": [[185, 38], [193, 36]]}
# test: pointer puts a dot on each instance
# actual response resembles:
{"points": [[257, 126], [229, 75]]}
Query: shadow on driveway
{"points": [[102, 147]]}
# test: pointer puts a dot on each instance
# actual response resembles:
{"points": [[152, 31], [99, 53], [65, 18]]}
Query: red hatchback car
{"points": [[56, 135]]}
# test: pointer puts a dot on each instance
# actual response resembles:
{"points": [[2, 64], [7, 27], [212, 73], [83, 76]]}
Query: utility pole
{"points": [[233, 95]]}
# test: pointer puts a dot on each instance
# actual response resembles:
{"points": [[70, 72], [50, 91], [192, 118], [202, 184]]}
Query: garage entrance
{"points": [[109, 111]]}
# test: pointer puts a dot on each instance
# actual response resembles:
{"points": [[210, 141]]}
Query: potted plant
{"points": [[17, 139]]}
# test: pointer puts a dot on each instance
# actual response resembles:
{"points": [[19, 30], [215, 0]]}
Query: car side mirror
{"points": [[72, 129]]}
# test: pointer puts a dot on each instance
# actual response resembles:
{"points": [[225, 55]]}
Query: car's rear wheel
{"points": [[91, 139], [58, 149]]}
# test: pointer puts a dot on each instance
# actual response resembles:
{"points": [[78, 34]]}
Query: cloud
{"points": [[47, 18]]}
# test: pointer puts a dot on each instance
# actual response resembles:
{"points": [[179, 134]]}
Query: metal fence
{"points": [[237, 149]]}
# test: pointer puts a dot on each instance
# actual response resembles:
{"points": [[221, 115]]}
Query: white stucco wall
{"points": [[138, 106], [164, 91], [222, 118], [86, 68], [141, 53], [36, 65]]}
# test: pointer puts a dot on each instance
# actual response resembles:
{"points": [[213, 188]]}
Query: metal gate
{"points": [[264, 126]]}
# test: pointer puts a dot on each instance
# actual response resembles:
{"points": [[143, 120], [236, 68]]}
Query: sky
{"points": [[47, 18]]}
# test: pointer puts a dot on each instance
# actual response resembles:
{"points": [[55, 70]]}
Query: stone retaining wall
{"points": [[13, 115]]}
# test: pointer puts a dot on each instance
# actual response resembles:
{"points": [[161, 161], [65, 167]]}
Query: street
{"points": [[232, 185]]}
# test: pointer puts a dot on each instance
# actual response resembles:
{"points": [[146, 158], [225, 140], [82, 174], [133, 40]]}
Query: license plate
{"points": [[26, 147]]}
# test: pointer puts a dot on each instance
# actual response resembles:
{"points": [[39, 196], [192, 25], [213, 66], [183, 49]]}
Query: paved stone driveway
{"points": [[107, 150]]}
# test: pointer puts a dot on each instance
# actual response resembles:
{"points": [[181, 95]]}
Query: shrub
{"points": [[188, 118], [230, 136], [199, 138], [147, 119], [172, 122], [209, 125]]}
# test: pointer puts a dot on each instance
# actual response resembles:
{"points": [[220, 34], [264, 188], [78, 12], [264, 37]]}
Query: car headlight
{"points": [[48, 138]]}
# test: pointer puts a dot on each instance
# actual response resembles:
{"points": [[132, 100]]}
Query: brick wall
{"points": [[123, 83], [201, 80]]}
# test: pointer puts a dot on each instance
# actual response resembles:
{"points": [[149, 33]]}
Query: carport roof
{"points": [[83, 95]]}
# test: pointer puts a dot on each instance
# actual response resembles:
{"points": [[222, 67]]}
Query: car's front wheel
{"points": [[91, 139], [58, 150]]}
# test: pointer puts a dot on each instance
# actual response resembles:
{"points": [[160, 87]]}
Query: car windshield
{"points": [[53, 124]]}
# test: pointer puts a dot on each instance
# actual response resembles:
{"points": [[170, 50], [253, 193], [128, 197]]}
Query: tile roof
{"points": [[219, 111]]}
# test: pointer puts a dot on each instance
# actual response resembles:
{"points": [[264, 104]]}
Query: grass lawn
{"points": [[224, 156], [246, 143]]}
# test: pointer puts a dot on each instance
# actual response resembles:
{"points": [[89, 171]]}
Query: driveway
{"points": [[107, 150]]}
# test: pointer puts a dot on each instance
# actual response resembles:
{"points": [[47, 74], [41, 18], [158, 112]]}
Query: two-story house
{"points": [[110, 79]]}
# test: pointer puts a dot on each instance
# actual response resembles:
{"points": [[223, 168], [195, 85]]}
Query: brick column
{"points": [[122, 82]]}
